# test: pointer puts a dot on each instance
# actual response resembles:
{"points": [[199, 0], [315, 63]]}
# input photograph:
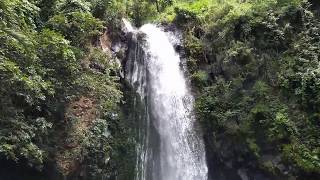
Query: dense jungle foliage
{"points": [[48, 62], [254, 66]]}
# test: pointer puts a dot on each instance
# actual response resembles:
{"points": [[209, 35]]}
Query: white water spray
{"points": [[159, 80]]}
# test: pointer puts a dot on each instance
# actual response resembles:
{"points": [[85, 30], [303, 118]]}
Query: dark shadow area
{"points": [[10, 170]]}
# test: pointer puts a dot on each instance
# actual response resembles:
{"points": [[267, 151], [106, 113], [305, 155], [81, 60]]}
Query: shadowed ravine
{"points": [[169, 146]]}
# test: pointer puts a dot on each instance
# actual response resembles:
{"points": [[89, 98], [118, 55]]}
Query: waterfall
{"points": [[169, 146]]}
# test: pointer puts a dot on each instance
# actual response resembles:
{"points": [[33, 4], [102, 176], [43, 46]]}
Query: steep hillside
{"points": [[60, 92], [255, 70]]}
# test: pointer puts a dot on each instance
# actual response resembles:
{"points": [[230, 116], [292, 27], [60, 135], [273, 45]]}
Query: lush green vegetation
{"points": [[255, 65], [48, 60]]}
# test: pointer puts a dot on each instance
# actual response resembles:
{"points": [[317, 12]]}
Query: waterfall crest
{"points": [[169, 146]]}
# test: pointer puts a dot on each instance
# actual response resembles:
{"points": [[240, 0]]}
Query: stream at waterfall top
{"points": [[169, 147]]}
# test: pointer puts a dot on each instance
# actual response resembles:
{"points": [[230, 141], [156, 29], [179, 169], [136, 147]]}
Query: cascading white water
{"points": [[158, 78]]}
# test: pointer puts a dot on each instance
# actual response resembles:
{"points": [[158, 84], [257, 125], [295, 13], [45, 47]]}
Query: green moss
{"points": [[302, 156], [253, 147], [269, 166], [199, 78]]}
